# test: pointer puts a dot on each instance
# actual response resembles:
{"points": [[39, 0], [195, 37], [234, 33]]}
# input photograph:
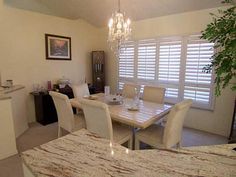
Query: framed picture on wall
{"points": [[57, 47]]}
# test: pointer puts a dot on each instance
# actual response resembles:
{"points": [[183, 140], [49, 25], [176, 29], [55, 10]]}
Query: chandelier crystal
{"points": [[119, 30]]}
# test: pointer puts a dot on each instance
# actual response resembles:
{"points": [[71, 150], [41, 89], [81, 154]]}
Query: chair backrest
{"points": [[174, 124], [154, 94], [80, 91], [130, 90], [64, 111], [97, 117]]}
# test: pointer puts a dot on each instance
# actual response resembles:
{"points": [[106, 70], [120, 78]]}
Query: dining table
{"points": [[146, 114]]}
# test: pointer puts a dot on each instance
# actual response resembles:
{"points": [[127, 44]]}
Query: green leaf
{"points": [[222, 32]]}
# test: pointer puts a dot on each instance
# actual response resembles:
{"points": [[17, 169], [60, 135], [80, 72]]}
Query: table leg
{"points": [[134, 131]]}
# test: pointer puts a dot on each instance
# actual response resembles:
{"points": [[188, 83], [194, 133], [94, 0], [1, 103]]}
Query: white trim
{"points": [[183, 67], [135, 61]]}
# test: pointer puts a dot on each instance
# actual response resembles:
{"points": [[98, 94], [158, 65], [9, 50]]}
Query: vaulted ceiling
{"points": [[98, 12]]}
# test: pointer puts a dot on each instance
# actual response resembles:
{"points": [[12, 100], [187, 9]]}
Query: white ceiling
{"points": [[98, 12]]}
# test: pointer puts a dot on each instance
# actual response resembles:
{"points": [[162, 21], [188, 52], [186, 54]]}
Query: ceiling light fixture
{"points": [[119, 30]]}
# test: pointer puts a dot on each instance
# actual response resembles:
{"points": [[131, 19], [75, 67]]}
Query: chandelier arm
{"points": [[118, 46]]}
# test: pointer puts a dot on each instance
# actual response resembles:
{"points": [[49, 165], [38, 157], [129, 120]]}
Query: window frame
{"points": [[156, 82]]}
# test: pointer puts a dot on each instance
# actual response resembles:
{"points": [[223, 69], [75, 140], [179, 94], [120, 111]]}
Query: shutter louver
{"points": [[121, 85], [126, 60], [172, 92], [197, 83], [146, 59], [169, 66], [199, 94]]}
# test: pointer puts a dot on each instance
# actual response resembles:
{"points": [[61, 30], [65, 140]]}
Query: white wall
{"points": [[217, 121], [22, 49]]}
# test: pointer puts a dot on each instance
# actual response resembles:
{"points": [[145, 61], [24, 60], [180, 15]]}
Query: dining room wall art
{"points": [[57, 47]]}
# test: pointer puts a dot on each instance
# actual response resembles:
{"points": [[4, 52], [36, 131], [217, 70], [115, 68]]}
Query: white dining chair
{"points": [[98, 120], [130, 90], [158, 136], [66, 119], [81, 90], [154, 94]]}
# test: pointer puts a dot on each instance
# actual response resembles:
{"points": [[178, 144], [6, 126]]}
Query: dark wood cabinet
{"points": [[98, 70], [45, 110]]}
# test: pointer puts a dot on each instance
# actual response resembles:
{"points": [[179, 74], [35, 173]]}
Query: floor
{"points": [[38, 134]]}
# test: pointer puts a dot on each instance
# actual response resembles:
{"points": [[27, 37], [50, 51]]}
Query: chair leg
{"points": [[178, 145], [59, 132], [137, 144], [130, 143]]}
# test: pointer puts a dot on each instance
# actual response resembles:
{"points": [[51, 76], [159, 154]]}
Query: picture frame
{"points": [[57, 47]]}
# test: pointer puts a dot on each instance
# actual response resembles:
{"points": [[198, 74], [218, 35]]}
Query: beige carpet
{"points": [[38, 134], [34, 136]]}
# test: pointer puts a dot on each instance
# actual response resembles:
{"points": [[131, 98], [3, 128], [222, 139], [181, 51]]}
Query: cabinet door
{"points": [[98, 69], [7, 135], [19, 111], [45, 109], [49, 110]]}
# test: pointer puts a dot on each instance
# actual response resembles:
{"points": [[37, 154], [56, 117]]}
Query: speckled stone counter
{"points": [[9, 90], [83, 154]]}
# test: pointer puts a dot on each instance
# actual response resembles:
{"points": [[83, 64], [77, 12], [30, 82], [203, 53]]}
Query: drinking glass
{"points": [[36, 87], [107, 90]]}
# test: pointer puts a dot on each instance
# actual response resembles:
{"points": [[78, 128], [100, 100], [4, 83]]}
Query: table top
{"points": [[84, 154], [147, 114]]}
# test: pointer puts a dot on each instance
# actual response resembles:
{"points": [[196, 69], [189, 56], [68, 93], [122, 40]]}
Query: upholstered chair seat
{"points": [[130, 90], [166, 137], [122, 134], [81, 90], [98, 120], [152, 136], [66, 119], [154, 94], [79, 122]]}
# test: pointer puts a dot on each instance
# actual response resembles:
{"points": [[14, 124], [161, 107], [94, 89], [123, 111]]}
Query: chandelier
{"points": [[119, 30]]}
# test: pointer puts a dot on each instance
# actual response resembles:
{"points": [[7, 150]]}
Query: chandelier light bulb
{"points": [[110, 23], [128, 21], [119, 25]]}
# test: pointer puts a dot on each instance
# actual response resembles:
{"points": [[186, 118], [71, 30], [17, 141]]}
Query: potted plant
{"points": [[222, 32]]}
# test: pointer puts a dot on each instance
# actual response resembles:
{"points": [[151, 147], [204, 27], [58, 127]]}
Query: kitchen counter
{"points": [[3, 97], [4, 91], [85, 154], [18, 96], [7, 132]]}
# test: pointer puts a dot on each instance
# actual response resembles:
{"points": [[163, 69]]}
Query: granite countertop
{"points": [[4, 91], [84, 154], [2, 97]]}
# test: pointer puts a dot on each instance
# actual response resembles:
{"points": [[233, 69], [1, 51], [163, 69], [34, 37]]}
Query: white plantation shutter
{"points": [[175, 63], [126, 60], [197, 94], [146, 59], [198, 85], [120, 85], [172, 92], [169, 66]]}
